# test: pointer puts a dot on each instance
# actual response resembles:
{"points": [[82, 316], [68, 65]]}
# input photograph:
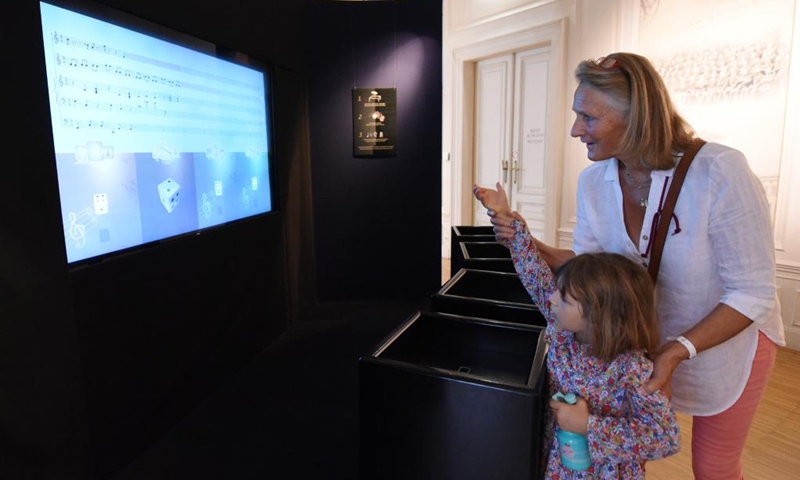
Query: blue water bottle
{"points": [[573, 447]]}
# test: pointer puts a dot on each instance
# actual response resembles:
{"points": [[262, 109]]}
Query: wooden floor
{"points": [[773, 446]]}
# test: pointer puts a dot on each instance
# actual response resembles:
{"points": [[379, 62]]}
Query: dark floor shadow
{"points": [[291, 414]]}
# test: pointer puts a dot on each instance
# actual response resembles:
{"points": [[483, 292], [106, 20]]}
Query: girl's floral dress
{"points": [[625, 427]]}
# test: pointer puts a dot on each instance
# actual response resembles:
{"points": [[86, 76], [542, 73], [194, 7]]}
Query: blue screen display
{"points": [[152, 139]]}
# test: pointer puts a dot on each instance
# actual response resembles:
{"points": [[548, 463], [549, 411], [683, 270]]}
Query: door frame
{"points": [[551, 34]]}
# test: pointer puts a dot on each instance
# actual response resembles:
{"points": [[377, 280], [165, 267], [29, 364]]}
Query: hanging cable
{"points": [[352, 45]]}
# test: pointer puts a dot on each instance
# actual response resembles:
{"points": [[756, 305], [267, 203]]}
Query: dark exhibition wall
{"points": [[377, 221], [100, 361]]}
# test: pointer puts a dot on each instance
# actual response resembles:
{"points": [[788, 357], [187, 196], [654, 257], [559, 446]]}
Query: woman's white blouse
{"points": [[723, 252]]}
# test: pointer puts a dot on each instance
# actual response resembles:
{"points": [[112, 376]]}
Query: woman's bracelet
{"points": [[686, 343]]}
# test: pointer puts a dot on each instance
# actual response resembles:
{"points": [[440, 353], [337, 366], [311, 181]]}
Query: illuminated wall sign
{"points": [[374, 122]]}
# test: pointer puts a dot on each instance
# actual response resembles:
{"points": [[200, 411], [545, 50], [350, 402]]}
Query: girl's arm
{"points": [[502, 219], [505, 231], [533, 271], [650, 429]]}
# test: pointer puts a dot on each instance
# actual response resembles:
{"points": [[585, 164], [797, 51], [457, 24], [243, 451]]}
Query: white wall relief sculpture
{"points": [[726, 62]]}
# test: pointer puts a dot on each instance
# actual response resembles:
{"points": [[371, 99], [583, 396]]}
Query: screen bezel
{"points": [[138, 24]]}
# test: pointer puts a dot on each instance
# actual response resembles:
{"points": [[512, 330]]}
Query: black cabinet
{"points": [[460, 234], [451, 397], [487, 294], [465, 230], [486, 256]]}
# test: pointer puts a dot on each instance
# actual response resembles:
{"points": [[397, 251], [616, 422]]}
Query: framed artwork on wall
{"points": [[374, 122]]}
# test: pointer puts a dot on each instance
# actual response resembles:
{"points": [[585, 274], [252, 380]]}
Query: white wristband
{"points": [[686, 343]]}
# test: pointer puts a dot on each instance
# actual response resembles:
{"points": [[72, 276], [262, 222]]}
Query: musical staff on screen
{"points": [[146, 78], [89, 97], [97, 88], [104, 88], [152, 107], [70, 41], [78, 124]]}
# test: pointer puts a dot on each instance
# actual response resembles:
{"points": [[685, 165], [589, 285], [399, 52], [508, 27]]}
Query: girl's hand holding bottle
{"points": [[572, 418], [573, 446]]}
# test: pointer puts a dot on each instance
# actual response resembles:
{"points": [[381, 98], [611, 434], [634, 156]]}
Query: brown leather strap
{"points": [[665, 213]]}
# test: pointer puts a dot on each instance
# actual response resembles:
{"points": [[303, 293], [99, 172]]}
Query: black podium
{"points": [[449, 397], [487, 294], [486, 256], [462, 233]]}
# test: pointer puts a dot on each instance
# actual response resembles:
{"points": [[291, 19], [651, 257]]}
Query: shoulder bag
{"points": [[665, 213]]}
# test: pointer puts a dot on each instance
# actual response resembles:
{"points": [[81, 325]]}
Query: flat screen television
{"points": [[157, 134]]}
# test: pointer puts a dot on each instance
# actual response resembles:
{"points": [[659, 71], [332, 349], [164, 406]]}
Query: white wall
{"points": [[594, 28]]}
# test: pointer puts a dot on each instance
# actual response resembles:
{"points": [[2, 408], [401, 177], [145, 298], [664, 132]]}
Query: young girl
{"points": [[601, 325]]}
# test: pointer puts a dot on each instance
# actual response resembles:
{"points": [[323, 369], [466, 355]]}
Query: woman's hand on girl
{"points": [[504, 230], [665, 361]]}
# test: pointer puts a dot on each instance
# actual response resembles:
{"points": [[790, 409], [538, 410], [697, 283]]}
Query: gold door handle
{"points": [[505, 171], [515, 169]]}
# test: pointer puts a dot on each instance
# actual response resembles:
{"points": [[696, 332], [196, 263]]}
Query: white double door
{"points": [[514, 111]]}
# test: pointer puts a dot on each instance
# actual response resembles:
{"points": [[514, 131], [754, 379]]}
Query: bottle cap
{"points": [[569, 398]]}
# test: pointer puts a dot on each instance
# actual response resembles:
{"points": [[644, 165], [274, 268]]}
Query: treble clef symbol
{"points": [[76, 231]]}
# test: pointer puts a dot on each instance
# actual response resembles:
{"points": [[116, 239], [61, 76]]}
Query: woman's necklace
{"points": [[641, 188]]}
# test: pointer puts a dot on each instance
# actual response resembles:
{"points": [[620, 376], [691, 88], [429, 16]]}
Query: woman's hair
{"points": [[617, 299], [656, 131]]}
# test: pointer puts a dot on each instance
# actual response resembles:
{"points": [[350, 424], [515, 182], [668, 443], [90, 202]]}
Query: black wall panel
{"points": [[377, 221]]}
